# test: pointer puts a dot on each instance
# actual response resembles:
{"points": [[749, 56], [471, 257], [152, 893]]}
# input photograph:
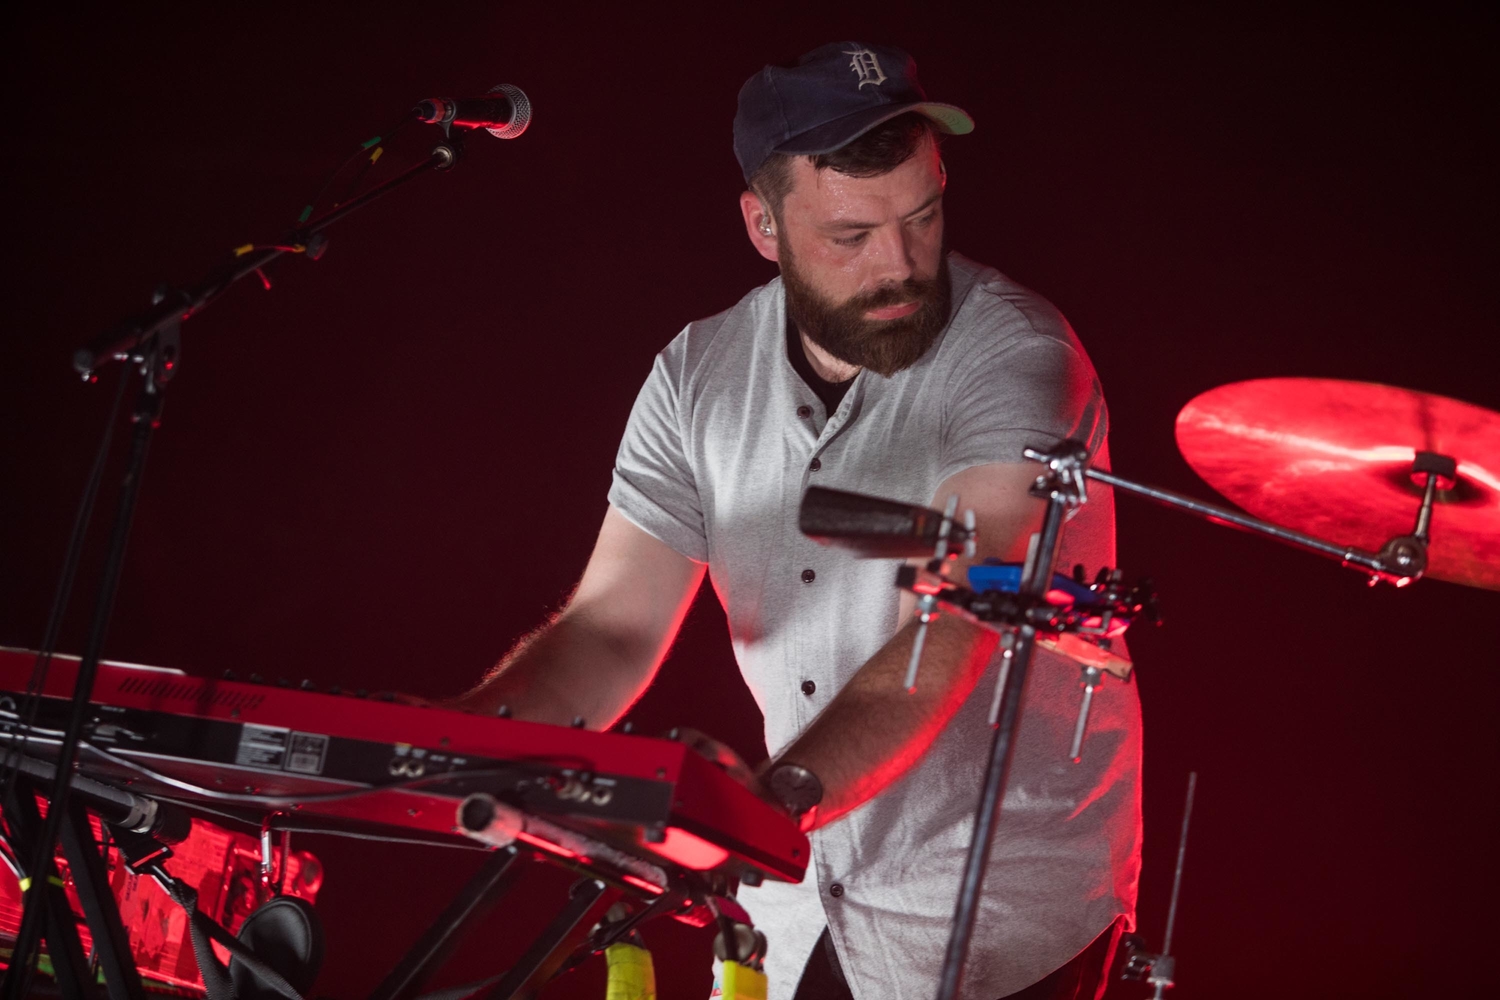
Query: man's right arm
{"points": [[600, 652]]}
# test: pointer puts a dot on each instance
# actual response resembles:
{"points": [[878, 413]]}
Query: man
{"points": [[882, 364]]}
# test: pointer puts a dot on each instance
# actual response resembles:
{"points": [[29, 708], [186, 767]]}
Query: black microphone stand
{"points": [[129, 339], [150, 342]]}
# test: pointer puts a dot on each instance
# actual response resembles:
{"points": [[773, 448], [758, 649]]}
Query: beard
{"points": [[885, 346]]}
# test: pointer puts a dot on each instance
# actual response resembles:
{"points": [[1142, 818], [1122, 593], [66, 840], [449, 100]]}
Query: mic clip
{"points": [[448, 152]]}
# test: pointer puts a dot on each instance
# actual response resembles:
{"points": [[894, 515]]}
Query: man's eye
{"points": [[850, 241], [925, 220]]}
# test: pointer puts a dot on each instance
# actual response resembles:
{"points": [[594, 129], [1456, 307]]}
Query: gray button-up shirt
{"points": [[714, 463]]}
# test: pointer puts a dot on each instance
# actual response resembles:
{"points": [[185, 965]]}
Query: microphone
{"points": [[872, 527], [505, 111], [162, 821]]}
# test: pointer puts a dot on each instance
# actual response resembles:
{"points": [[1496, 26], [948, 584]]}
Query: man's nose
{"points": [[892, 256]]}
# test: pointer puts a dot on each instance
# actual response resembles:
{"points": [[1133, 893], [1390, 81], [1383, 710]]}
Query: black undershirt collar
{"points": [[831, 393]]}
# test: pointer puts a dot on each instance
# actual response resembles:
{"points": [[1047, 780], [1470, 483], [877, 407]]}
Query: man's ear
{"points": [[760, 226], [943, 172]]}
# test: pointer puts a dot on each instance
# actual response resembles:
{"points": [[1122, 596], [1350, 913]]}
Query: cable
{"points": [[464, 845], [374, 157], [214, 793], [288, 800], [377, 144]]}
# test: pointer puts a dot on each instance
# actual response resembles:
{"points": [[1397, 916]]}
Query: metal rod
{"points": [[1424, 513], [1187, 815], [497, 875], [1034, 584], [442, 157], [926, 602], [122, 980], [70, 966], [996, 771], [1091, 676], [541, 959], [947, 525], [179, 305], [148, 408], [1223, 515], [63, 594], [1007, 652]]}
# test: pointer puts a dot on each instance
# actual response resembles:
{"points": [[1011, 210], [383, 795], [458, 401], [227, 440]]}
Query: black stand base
{"points": [[545, 958], [552, 947], [432, 949], [74, 973]]}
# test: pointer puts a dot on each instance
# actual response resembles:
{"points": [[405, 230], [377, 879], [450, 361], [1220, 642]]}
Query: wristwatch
{"points": [[797, 789]]}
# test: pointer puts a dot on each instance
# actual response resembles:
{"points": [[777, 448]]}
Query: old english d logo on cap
{"points": [[830, 97], [866, 66]]}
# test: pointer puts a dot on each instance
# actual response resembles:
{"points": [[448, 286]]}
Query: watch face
{"points": [[796, 788]]}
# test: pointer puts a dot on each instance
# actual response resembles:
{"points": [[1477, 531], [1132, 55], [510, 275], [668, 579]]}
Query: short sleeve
{"points": [[654, 487], [1035, 390]]}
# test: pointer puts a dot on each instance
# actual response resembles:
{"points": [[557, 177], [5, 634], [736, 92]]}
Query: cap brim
{"points": [[837, 134]]}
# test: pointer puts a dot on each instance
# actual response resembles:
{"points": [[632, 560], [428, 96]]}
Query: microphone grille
{"points": [[520, 112]]}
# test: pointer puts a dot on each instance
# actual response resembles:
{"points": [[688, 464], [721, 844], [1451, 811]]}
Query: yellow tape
{"points": [[25, 884], [376, 155], [740, 982], [631, 975], [56, 881], [241, 251]]}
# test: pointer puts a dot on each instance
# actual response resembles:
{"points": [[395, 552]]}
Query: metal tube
{"points": [[1033, 584], [1223, 515], [1187, 815], [996, 770], [1007, 651], [1091, 677], [33, 914], [111, 943], [124, 339], [918, 641], [542, 959], [437, 942], [1424, 513]]}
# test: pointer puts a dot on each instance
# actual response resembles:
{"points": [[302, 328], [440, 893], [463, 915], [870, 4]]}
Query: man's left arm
{"points": [[873, 730]]}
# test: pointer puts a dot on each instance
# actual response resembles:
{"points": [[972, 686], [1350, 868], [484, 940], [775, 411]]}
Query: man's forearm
{"points": [[874, 731], [565, 670]]}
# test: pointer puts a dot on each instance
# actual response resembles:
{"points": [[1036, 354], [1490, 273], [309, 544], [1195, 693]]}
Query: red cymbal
{"points": [[1333, 459]]}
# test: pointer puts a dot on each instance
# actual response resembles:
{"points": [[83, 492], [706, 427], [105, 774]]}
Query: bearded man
{"points": [[883, 364]]}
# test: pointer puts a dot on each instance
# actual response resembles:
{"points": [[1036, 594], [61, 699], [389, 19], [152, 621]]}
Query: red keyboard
{"points": [[639, 806]]}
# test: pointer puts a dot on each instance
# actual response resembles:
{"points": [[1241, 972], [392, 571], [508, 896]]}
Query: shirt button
{"points": [[815, 464], [808, 687], [808, 576], [835, 890], [804, 412]]}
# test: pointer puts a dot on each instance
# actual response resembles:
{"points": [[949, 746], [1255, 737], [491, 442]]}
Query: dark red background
{"points": [[388, 468]]}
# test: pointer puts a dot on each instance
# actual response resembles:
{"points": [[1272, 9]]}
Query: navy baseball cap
{"points": [[835, 94]]}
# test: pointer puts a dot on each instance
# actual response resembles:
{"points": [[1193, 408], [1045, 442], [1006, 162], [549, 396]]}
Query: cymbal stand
{"points": [[1400, 561], [1160, 970], [1062, 486]]}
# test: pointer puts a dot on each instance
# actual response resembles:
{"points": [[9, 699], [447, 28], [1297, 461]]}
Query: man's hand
{"points": [[596, 657], [718, 753], [873, 731]]}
